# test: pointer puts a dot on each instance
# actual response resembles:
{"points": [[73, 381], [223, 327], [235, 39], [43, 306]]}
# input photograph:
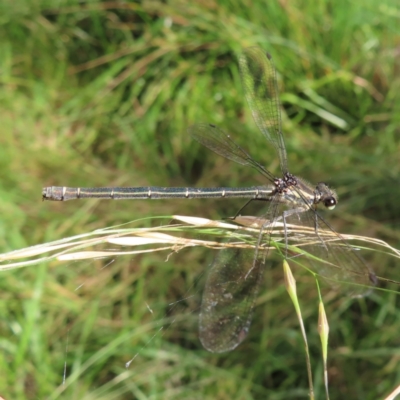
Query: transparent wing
{"points": [[228, 299], [219, 142], [329, 255], [231, 289], [261, 89]]}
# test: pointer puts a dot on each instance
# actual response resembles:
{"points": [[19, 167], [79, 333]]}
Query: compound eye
{"points": [[330, 203]]}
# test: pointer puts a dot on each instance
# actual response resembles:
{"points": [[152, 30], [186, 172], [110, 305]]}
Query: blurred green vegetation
{"points": [[101, 93]]}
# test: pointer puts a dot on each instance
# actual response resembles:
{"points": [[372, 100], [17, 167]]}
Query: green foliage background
{"points": [[101, 93]]}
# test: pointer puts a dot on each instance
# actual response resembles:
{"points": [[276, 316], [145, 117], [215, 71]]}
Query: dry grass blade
{"points": [[177, 236]]}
